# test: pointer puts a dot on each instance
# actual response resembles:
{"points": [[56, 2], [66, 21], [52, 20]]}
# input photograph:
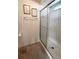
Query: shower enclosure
{"points": [[50, 28]]}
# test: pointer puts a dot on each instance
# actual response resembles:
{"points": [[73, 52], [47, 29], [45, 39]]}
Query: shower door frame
{"points": [[47, 24], [47, 6]]}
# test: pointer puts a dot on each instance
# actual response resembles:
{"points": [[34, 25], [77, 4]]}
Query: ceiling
{"points": [[42, 2], [38, 1]]}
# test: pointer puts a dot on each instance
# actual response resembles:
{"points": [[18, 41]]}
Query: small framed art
{"points": [[26, 9], [34, 12]]}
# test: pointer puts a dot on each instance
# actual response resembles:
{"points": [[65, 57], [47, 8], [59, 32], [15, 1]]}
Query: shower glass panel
{"points": [[43, 25], [54, 31], [50, 28]]}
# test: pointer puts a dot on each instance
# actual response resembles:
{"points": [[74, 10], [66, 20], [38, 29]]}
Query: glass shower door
{"points": [[44, 26], [54, 30], [50, 29]]}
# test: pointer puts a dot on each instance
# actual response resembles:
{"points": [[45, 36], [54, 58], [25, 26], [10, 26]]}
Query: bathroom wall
{"points": [[28, 26]]}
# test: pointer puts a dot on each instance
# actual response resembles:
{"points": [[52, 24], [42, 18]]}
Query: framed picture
{"points": [[26, 9], [34, 12]]}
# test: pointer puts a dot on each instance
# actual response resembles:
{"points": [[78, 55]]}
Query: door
{"points": [[54, 30], [44, 26]]}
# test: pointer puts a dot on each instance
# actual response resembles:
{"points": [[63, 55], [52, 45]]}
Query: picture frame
{"points": [[34, 12], [26, 9]]}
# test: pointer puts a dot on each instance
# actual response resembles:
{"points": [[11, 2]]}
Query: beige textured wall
{"points": [[29, 27]]}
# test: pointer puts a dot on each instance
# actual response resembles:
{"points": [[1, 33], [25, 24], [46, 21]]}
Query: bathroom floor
{"points": [[34, 51]]}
